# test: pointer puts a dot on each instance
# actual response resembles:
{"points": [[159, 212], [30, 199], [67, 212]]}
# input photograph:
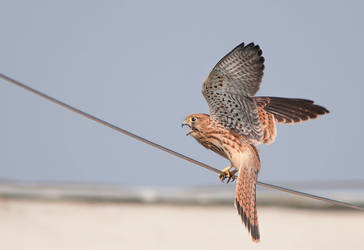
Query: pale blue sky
{"points": [[140, 65]]}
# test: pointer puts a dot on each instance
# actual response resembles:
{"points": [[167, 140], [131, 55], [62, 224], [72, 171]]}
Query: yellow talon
{"points": [[228, 174]]}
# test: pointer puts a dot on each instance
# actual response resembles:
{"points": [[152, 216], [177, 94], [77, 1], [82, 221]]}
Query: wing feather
{"points": [[290, 110], [229, 87]]}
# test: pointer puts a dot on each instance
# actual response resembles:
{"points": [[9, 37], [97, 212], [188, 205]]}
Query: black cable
{"points": [[125, 132]]}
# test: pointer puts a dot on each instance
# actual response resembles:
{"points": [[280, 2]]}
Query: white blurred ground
{"points": [[78, 225]]}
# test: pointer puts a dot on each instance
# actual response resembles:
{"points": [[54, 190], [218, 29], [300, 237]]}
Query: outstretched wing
{"points": [[229, 87], [290, 110]]}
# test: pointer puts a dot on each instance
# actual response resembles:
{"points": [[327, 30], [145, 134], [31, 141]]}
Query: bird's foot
{"points": [[228, 174]]}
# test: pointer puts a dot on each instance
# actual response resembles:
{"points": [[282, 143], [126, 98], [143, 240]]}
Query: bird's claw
{"points": [[228, 174], [223, 177]]}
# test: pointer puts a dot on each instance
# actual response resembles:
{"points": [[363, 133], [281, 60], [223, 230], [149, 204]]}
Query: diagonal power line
{"points": [[201, 164]]}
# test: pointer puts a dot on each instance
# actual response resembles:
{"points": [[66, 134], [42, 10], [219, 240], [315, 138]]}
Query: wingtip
{"points": [[250, 45], [326, 110]]}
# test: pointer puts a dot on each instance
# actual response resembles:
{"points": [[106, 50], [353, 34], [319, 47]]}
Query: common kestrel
{"points": [[239, 120]]}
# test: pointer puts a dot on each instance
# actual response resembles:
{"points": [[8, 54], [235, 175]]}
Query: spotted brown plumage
{"points": [[239, 120], [229, 87], [268, 125], [242, 155]]}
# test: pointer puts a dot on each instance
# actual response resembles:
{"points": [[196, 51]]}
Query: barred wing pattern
{"points": [[229, 87], [290, 110]]}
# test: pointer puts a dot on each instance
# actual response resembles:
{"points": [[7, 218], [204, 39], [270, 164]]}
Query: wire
{"points": [[125, 132]]}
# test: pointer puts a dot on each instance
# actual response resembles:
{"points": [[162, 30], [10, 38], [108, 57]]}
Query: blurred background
{"points": [[69, 183]]}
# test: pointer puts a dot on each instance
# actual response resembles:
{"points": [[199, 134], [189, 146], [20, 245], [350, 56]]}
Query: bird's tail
{"points": [[245, 195], [290, 110]]}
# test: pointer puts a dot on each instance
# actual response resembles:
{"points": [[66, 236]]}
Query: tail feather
{"points": [[252, 227], [290, 110], [245, 195]]}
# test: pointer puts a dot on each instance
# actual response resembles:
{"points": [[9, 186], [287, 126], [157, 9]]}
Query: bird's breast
{"points": [[224, 143]]}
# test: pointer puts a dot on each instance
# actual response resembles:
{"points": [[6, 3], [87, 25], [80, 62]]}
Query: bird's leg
{"points": [[228, 174]]}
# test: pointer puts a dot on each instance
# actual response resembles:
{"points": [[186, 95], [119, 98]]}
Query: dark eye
{"points": [[193, 119]]}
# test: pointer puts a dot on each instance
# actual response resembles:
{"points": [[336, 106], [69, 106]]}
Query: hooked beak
{"points": [[188, 125], [185, 124]]}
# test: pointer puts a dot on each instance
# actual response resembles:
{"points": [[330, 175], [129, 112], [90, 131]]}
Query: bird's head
{"points": [[196, 122]]}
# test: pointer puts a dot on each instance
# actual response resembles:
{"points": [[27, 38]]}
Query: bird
{"points": [[239, 121]]}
